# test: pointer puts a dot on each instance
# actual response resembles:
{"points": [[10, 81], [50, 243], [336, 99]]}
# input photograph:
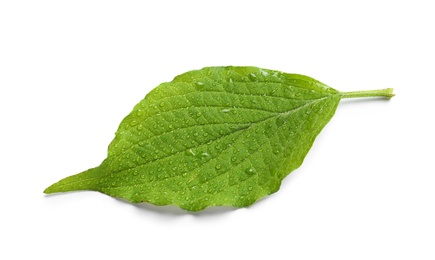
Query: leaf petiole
{"points": [[387, 93]]}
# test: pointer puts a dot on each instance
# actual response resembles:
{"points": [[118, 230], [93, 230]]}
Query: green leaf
{"points": [[215, 136]]}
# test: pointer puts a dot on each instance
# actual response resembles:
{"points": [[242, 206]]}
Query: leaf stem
{"points": [[386, 93]]}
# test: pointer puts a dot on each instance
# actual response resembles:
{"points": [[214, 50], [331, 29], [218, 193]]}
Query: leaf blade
{"points": [[212, 137]]}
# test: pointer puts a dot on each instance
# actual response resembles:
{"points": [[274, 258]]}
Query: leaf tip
{"points": [[51, 189]]}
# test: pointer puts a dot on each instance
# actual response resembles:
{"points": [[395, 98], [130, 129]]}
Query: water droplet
{"points": [[250, 188], [205, 154], [139, 127], [225, 110], [195, 134], [113, 183], [205, 134], [198, 114], [221, 132], [162, 103], [249, 171], [233, 159], [171, 126], [298, 94], [133, 123], [218, 147], [218, 166], [174, 168], [142, 176], [264, 73], [190, 152], [199, 84], [252, 76]]}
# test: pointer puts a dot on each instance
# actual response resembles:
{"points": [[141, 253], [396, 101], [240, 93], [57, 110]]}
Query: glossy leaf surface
{"points": [[215, 136]]}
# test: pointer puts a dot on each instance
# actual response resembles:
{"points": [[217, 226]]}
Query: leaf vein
{"points": [[213, 159]]}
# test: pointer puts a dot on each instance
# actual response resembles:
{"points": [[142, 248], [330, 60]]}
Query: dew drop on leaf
{"points": [[249, 171], [190, 152], [252, 76]]}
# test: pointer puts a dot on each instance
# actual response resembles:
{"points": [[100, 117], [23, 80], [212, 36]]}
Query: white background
{"points": [[71, 70]]}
